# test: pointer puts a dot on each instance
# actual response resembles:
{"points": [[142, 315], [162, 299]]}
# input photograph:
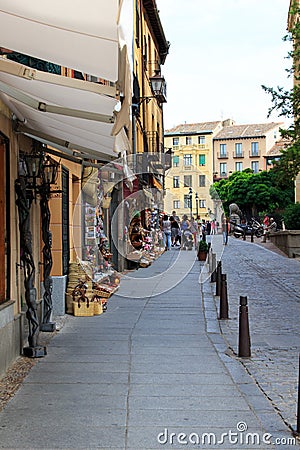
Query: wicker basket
{"points": [[83, 309], [97, 308], [103, 294]]}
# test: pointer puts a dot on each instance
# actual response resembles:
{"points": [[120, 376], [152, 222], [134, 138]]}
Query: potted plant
{"points": [[202, 250]]}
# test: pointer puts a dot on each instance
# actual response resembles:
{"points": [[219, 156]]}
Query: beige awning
{"points": [[67, 113], [79, 35]]}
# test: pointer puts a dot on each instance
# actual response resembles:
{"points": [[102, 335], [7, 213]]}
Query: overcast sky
{"points": [[221, 52]]}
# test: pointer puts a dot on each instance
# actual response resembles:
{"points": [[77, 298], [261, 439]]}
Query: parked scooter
{"points": [[247, 229]]}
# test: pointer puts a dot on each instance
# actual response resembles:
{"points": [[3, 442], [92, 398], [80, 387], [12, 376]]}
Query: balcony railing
{"points": [[190, 147], [254, 154], [222, 155], [238, 154]]}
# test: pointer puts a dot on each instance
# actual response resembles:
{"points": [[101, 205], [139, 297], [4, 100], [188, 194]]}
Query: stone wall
{"points": [[288, 241]]}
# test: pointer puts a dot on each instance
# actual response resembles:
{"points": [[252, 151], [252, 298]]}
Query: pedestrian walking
{"points": [[225, 230], [174, 229], [166, 228], [194, 230], [208, 227]]}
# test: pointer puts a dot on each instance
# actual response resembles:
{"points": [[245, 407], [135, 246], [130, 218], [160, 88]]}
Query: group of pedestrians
{"points": [[184, 233]]}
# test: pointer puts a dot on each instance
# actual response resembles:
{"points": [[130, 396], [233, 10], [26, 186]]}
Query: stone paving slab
{"points": [[171, 372], [271, 282]]}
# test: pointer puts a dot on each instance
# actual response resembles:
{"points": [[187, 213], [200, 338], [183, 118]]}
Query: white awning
{"points": [[74, 112], [64, 112], [80, 35]]}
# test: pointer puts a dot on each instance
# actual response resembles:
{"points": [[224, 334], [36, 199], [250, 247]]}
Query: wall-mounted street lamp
{"points": [[159, 87], [36, 172], [49, 176], [190, 201]]}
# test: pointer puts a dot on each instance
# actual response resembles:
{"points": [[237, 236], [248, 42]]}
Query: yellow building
{"points": [[149, 87], [188, 181]]}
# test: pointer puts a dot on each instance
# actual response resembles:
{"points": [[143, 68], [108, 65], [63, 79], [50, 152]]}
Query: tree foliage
{"points": [[291, 217], [253, 193], [287, 104]]}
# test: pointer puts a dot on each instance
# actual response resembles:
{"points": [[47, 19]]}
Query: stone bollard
{"points": [[223, 298], [209, 259], [218, 278], [213, 268], [244, 350]]}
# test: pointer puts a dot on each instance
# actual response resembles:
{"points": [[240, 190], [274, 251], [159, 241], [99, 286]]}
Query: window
{"points": [[202, 203], [175, 182], [176, 141], [238, 166], [201, 180], [188, 140], [223, 150], [254, 166], [254, 148], [187, 160], [223, 169], [238, 150], [137, 25], [187, 201], [201, 140], [176, 204], [187, 180], [175, 161], [202, 160]]}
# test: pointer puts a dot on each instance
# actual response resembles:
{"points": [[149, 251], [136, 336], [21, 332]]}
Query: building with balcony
{"points": [[240, 147], [149, 89], [188, 181]]}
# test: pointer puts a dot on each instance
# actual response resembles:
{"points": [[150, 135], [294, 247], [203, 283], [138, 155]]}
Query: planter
{"points": [[202, 256]]}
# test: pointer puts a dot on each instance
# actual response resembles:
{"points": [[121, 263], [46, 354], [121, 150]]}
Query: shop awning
{"points": [[79, 35], [63, 112]]}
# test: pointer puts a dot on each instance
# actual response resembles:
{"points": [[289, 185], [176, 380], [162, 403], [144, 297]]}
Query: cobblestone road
{"points": [[271, 283]]}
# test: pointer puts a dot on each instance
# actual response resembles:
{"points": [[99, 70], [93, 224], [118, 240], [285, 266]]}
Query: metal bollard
{"points": [[244, 333], [244, 236], [213, 268], [252, 236], [218, 278], [223, 298], [298, 409]]}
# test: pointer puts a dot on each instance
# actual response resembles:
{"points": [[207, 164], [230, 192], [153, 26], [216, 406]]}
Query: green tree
{"points": [[287, 104], [253, 193]]}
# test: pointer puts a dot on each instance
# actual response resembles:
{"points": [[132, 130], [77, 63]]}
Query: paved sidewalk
{"points": [[152, 372]]}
